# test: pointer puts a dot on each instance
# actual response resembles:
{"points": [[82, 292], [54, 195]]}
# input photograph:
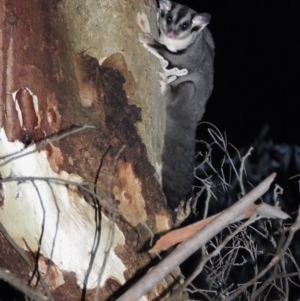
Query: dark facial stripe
{"points": [[183, 12], [173, 6]]}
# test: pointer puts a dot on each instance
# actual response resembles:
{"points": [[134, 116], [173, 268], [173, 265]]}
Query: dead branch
{"points": [[206, 258], [179, 235], [45, 142], [279, 254], [146, 283]]}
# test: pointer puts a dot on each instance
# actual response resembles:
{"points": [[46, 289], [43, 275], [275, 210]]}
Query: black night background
{"points": [[257, 68]]}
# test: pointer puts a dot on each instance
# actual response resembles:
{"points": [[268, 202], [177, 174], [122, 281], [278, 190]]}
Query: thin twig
{"points": [[154, 276], [206, 258], [111, 234], [12, 280], [242, 169], [43, 143], [26, 259], [280, 252]]}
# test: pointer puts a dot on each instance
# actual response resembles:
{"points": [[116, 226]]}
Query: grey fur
{"points": [[186, 96]]}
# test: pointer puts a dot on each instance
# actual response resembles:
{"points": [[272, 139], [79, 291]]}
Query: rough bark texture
{"points": [[104, 28], [47, 86]]}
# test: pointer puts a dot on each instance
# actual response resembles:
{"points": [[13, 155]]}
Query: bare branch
{"points": [[242, 170], [182, 234], [43, 143], [280, 252], [146, 283], [112, 220], [204, 260]]}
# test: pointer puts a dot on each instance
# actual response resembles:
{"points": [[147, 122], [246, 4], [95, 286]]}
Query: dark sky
{"points": [[257, 68]]}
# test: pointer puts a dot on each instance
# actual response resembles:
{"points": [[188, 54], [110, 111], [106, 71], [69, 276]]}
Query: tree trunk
{"points": [[79, 196]]}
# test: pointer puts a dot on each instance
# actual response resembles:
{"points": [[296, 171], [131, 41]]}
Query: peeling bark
{"points": [[46, 88]]}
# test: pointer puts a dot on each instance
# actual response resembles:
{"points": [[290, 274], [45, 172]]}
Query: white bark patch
{"points": [[35, 102], [142, 21], [54, 214], [36, 107], [17, 107], [158, 168]]}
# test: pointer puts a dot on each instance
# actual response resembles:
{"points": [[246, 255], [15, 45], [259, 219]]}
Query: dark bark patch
{"points": [[68, 291], [117, 61], [11, 260], [87, 73], [118, 119]]}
